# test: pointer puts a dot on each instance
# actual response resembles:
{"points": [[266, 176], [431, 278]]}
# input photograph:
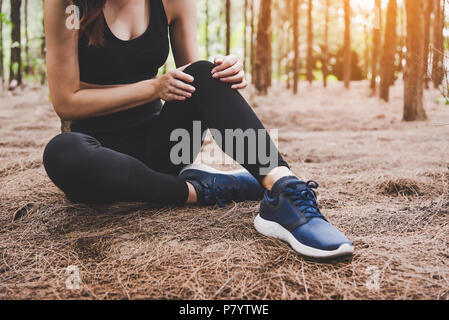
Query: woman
{"points": [[103, 78]]}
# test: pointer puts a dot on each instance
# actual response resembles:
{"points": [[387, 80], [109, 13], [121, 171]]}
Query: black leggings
{"points": [[87, 171]]}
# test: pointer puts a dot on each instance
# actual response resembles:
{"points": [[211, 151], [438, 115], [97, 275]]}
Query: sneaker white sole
{"points": [[203, 167], [275, 230]]}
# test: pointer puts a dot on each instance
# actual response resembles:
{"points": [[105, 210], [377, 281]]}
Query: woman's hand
{"points": [[172, 85], [230, 69]]}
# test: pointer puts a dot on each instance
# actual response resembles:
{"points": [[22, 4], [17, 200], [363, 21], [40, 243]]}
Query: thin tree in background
{"points": [[325, 57], [228, 27], [402, 37], [219, 26], [438, 44], [427, 30], [310, 42], [376, 44], [367, 47], [27, 38], [207, 28], [2, 72], [15, 67], [347, 45], [413, 80], [387, 65], [252, 46], [43, 73], [295, 46], [245, 34], [279, 37], [289, 8], [263, 46]]}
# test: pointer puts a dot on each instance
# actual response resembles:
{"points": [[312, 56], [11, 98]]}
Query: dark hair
{"points": [[92, 22]]}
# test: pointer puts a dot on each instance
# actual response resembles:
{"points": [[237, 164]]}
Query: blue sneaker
{"points": [[290, 213], [220, 187]]}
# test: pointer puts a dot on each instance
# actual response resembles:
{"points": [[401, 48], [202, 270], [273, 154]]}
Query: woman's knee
{"points": [[201, 69], [62, 155]]}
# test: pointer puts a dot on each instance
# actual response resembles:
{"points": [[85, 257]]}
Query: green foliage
{"points": [[15, 68], [4, 19]]}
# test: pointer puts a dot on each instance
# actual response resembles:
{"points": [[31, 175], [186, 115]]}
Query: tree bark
{"points": [[325, 58], [347, 45], [438, 44], [295, 66], [387, 65], [427, 29], [263, 46], [15, 68], [413, 83], [310, 42], [376, 44]]}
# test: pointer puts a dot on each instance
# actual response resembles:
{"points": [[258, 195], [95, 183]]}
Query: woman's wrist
{"points": [[152, 89]]}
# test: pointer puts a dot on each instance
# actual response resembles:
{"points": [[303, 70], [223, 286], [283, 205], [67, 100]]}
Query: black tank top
{"points": [[124, 62]]}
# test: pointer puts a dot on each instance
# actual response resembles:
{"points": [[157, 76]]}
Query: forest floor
{"points": [[384, 182]]}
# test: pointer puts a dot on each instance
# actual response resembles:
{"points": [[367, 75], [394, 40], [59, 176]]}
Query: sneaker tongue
{"points": [[280, 185]]}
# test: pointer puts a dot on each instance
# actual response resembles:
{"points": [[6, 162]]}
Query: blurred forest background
{"points": [[285, 41]]}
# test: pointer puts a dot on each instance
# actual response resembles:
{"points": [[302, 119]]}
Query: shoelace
{"points": [[219, 194], [304, 198]]}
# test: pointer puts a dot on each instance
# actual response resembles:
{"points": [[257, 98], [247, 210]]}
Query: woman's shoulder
{"points": [[178, 9]]}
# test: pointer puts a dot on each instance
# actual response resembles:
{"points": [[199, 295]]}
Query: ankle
{"points": [[193, 197], [275, 175]]}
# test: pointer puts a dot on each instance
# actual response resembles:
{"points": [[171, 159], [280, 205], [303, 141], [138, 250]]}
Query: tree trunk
{"points": [[43, 50], [15, 68], [228, 27], [2, 72], [427, 28], [438, 44], [263, 46], [27, 39], [347, 45], [402, 38], [310, 43], [252, 32], [279, 38], [413, 83], [325, 58], [295, 66], [366, 51], [376, 44], [245, 33], [207, 29], [389, 51], [289, 8]]}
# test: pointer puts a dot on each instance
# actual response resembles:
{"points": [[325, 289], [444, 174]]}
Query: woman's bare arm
{"points": [[182, 17], [70, 99]]}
